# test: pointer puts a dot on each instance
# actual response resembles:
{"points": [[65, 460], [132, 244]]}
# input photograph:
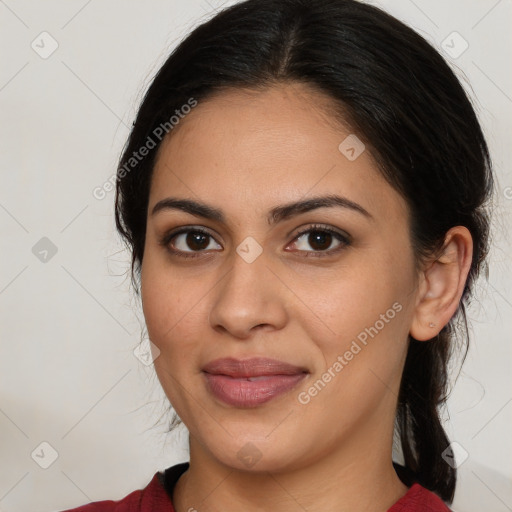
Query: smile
{"points": [[250, 382]]}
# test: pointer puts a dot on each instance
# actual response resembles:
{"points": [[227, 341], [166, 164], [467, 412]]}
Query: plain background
{"points": [[70, 324]]}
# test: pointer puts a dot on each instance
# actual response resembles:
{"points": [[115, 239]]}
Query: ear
{"points": [[441, 285]]}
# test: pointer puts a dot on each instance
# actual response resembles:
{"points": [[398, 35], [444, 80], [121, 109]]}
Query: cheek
{"points": [[167, 299], [162, 308], [158, 312], [171, 311], [361, 312], [359, 366], [347, 303], [176, 312]]}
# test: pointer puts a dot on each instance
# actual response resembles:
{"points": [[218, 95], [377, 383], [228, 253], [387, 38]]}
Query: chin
{"points": [[258, 454]]}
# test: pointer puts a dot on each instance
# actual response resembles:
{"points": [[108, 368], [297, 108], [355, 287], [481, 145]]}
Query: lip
{"points": [[228, 380]]}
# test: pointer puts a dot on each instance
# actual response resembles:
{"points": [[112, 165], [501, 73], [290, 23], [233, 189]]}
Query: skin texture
{"points": [[245, 152]]}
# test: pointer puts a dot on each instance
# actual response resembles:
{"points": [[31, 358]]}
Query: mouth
{"points": [[251, 382]]}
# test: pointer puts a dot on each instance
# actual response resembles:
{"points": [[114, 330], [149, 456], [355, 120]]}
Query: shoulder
{"points": [[151, 498], [419, 499]]}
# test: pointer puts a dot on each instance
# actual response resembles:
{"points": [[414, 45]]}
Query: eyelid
{"points": [[344, 238], [166, 238], [321, 227]]}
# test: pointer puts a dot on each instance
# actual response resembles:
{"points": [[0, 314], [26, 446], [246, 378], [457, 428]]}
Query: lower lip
{"points": [[241, 392]]}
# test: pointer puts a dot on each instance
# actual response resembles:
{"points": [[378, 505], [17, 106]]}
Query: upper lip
{"points": [[253, 367]]}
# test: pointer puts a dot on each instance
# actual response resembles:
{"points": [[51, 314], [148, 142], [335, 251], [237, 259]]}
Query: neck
{"points": [[359, 477]]}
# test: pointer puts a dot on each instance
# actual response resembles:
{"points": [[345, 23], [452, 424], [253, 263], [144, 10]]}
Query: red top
{"points": [[156, 496]]}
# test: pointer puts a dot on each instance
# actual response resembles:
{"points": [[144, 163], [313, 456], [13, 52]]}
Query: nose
{"points": [[248, 297]]}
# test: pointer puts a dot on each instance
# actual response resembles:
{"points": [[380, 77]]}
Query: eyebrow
{"points": [[276, 214]]}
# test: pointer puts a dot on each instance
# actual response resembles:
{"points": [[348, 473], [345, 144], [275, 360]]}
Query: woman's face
{"points": [[332, 309]]}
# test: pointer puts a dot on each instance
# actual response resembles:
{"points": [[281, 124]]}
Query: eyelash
{"points": [[344, 240]]}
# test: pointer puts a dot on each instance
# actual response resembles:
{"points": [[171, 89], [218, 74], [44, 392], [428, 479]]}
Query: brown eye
{"points": [[320, 241], [196, 241], [189, 241]]}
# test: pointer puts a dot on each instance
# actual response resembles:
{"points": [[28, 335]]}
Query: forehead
{"points": [[264, 147]]}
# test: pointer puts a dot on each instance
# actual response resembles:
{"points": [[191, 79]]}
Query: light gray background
{"points": [[68, 374]]}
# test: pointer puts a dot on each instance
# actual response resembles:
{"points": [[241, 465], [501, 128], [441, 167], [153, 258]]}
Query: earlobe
{"points": [[442, 285]]}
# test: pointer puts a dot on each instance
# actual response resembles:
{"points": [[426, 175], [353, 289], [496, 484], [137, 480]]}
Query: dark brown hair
{"points": [[399, 96]]}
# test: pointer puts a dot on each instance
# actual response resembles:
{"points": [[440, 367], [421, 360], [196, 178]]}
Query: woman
{"points": [[303, 193]]}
